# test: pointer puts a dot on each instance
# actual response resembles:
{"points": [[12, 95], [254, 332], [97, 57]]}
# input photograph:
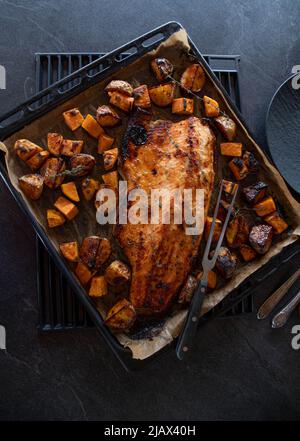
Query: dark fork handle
{"points": [[187, 335]]}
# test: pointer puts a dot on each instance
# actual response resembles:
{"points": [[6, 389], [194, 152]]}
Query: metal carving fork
{"points": [[189, 330]]}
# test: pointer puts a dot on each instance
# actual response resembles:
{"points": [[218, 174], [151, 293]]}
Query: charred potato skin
{"points": [[32, 185], [250, 161], [255, 193], [107, 117], [162, 68], [121, 316], [226, 263], [260, 238], [238, 168], [88, 251], [84, 162], [117, 273]]}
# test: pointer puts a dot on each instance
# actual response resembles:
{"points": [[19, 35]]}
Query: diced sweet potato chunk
{"points": [[121, 316], [141, 97], [25, 149], [54, 142], [89, 187], [92, 127], [69, 189], [193, 78], [119, 86], [250, 161], [211, 107], [231, 148], [231, 231], [107, 117], [226, 262], [229, 187], [105, 142], [121, 101], [183, 106], [223, 208], [81, 164], [52, 171], [275, 220], [36, 161], [98, 287], [238, 168], [55, 218], [117, 273], [104, 251], [69, 250], [163, 94], [71, 147], [260, 238], [110, 158], [255, 193], [32, 185], [162, 68], [111, 179], [73, 118], [247, 253], [83, 273], [217, 230], [67, 208], [226, 126], [265, 207], [88, 250], [237, 231]]}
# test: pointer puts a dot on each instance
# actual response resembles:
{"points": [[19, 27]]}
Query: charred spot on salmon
{"points": [[138, 135]]}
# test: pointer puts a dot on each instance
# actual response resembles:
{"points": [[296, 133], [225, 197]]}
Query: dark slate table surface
{"points": [[240, 369]]}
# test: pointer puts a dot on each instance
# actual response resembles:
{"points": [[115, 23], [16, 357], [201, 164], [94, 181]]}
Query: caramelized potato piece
{"points": [[231, 148], [52, 170], [69, 189], [83, 273], [92, 127], [255, 193], [111, 179], [119, 86], [247, 253], [107, 117], [238, 168], [104, 251], [88, 250], [121, 316], [82, 164], [54, 142], [226, 262], [32, 185], [105, 142], [260, 238], [232, 230], [183, 106], [89, 187], [36, 161], [163, 94], [67, 208], [162, 68], [265, 207], [237, 231], [250, 161], [25, 149], [193, 78], [211, 280], [279, 225], [117, 273], [211, 107], [188, 289], [229, 187], [110, 158], [73, 118], [55, 218], [71, 147], [121, 101], [217, 230], [141, 97], [69, 250], [98, 287], [223, 208], [226, 126]]}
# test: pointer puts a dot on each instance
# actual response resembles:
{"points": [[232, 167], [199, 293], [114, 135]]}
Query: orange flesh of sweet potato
{"points": [[121, 101], [36, 161], [66, 207], [141, 97], [231, 231], [238, 168], [226, 126], [163, 94], [25, 149], [247, 253], [117, 273], [73, 118], [69, 189], [229, 187], [51, 171], [98, 287], [279, 225], [121, 316], [55, 218], [54, 141], [217, 230], [211, 279], [255, 193], [231, 148], [104, 251], [105, 142], [265, 207], [71, 147], [111, 179], [183, 106], [92, 127], [193, 78], [89, 187], [211, 107], [32, 185], [83, 273], [107, 117], [69, 250], [110, 158]]}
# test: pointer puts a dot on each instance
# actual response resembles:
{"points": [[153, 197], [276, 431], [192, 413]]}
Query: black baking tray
{"points": [[62, 91]]}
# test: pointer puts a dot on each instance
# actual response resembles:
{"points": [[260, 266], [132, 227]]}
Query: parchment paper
{"points": [[176, 49]]}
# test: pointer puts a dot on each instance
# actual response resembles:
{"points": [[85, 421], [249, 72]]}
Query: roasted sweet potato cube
{"points": [[121, 316], [32, 185], [105, 142], [275, 220], [88, 250], [73, 118], [229, 187], [37, 160], [71, 147], [183, 106], [265, 207], [163, 94], [52, 171], [110, 158], [238, 168], [89, 187], [98, 287], [92, 127], [162, 68], [83, 273], [211, 107], [260, 238], [111, 179], [67, 208], [107, 117], [117, 273], [121, 101], [141, 97], [243, 231], [54, 142], [55, 218], [217, 230], [250, 161], [247, 253], [81, 164], [69, 250], [212, 279], [232, 231], [255, 193], [223, 208], [226, 126], [226, 262], [231, 148], [69, 189], [193, 78], [104, 251], [119, 86], [188, 289], [25, 149]]}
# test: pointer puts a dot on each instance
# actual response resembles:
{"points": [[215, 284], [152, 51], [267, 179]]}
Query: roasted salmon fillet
{"points": [[171, 155]]}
